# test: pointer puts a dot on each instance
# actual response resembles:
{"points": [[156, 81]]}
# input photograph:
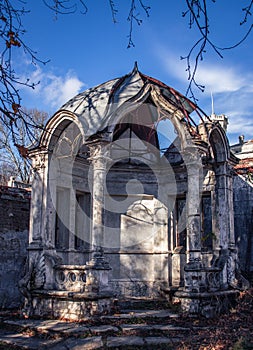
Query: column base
{"points": [[70, 306], [207, 304]]}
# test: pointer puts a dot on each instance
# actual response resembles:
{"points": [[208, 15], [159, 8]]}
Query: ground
{"points": [[146, 329]]}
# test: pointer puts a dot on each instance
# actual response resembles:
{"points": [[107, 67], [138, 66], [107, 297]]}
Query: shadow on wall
{"points": [[14, 223], [140, 261], [243, 219]]}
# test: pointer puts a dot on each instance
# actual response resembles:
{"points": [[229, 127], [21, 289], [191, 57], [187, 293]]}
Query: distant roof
{"points": [[96, 105]]}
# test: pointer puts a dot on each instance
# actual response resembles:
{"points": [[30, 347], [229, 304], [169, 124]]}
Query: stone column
{"points": [[38, 200], [221, 208], [51, 201], [194, 275], [99, 157], [193, 243], [98, 267], [224, 246], [230, 174]]}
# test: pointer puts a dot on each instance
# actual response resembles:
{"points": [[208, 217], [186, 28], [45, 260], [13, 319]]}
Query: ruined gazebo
{"points": [[132, 197]]}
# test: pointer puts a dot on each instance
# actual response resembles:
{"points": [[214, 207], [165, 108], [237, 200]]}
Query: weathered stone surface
{"points": [[14, 211], [55, 326], [28, 341], [243, 209], [157, 340], [80, 344], [117, 197], [114, 342], [170, 328], [135, 327], [51, 326], [14, 224], [128, 314], [103, 329], [76, 330]]}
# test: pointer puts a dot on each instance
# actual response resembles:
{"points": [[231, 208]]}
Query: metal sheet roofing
{"points": [[97, 105]]}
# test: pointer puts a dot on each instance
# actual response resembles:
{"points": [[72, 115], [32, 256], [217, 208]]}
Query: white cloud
{"points": [[231, 86], [240, 125], [238, 106], [219, 79], [59, 90], [216, 78], [54, 90]]}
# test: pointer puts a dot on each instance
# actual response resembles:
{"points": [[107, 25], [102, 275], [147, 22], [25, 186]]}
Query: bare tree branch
{"points": [[134, 16], [247, 11], [114, 11], [66, 6], [198, 15], [12, 41], [11, 36], [16, 153]]}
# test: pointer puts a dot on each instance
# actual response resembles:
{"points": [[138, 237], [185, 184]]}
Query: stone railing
{"points": [[91, 277], [213, 279], [203, 279], [71, 277]]}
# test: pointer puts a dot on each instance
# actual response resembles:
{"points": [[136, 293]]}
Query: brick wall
{"points": [[14, 224]]}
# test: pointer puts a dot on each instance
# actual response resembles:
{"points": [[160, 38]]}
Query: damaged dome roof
{"points": [[96, 106]]}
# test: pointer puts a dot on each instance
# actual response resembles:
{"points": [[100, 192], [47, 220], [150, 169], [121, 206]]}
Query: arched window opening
{"points": [[146, 131], [69, 141]]}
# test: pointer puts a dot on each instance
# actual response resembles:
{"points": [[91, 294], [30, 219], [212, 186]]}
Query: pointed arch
{"points": [[152, 94], [219, 144], [55, 126]]}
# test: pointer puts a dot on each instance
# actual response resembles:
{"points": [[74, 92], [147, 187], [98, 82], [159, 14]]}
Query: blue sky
{"points": [[86, 50]]}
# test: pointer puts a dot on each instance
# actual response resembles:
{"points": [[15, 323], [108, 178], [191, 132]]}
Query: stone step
{"points": [[121, 333], [106, 323], [142, 303], [25, 341], [141, 328], [124, 342], [55, 328], [30, 342], [141, 314]]}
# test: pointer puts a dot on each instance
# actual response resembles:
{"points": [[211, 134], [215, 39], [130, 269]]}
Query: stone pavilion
{"points": [[132, 197]]}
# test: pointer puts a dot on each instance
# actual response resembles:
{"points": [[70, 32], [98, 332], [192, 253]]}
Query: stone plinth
{"points": [[70, 305], [208, 304], [97, 273]]}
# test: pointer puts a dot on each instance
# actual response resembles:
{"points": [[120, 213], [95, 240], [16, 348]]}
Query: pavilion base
{"points": [[70, 305], [207, 304]]}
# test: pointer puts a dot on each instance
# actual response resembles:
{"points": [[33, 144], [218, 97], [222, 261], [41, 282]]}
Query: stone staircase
{"points": [[140, 325]]}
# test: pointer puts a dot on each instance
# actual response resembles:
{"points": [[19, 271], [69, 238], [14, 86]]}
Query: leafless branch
{"points": [[11, 36], [114, 11], [66, 6], [247, 11], [134, 16], [198, 15], [25, 130]]}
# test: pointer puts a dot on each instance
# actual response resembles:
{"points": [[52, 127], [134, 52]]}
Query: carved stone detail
{"points": [[39, 161], [34, 278]]}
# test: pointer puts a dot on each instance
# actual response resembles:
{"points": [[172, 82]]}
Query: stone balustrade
{"points": [[71, 277]]}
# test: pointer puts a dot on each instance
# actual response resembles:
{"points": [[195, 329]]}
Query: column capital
{"points": [[39, 160], [193, 157], [99, 151]]}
